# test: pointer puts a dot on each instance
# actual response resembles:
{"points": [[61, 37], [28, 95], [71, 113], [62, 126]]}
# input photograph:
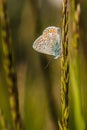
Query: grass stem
{"points": [[9, 65], [65, 69]]}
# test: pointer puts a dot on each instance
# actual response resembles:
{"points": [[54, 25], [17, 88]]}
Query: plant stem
{"points": [[65, 69], [74, 71], [3, 122], [8, 65]]}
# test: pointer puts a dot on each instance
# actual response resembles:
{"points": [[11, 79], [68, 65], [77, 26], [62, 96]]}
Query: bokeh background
{"points": [[38, 75]]}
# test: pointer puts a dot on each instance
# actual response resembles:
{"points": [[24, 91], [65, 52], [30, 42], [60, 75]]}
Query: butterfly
{"points": [[49, 42]]}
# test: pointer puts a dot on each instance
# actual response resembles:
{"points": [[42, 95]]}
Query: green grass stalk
{"points": [[9, 65], [65, 69], [3, 122], [74, 71]]}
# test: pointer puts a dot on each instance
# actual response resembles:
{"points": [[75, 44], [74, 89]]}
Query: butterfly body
{"points": [[49, 42]]}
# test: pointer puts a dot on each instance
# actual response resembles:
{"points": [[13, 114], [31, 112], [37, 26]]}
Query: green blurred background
{"points": [[38, 75]]}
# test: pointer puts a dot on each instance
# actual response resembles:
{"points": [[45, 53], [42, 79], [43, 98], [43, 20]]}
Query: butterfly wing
{"points": [[48, 42], [54, 36], [41, 45]]}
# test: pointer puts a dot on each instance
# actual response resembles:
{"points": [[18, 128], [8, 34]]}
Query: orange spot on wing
{"points": [[52, 31]]}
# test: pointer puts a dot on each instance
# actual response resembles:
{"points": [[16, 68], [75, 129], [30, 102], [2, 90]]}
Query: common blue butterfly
{"points": [[49, 42]]}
